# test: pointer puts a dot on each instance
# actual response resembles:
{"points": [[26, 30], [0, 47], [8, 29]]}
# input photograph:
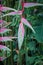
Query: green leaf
{"points": [[39, 33], [31, 45]]}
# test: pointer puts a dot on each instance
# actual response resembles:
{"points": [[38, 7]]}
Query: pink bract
{"points": [[3, 47], [5, 39], [26, 5], [4, 8], [1, 58], [13, 13], [9, 38], [24, 21], [3, 30], [20, 35], [1, 21]]}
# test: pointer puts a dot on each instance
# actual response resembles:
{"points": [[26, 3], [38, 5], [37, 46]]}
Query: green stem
{"points": [[19, 4], [11, 53], [26, 55], [20, 58], [26, 51]]}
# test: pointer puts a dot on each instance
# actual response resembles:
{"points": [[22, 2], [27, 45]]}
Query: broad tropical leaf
{"points": [[24, 21], [39, 33], [27, 5], [13, 13], [4, 30], [20, 35]]}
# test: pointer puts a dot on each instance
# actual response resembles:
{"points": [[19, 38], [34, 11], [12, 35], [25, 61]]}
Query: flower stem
{"points": [[20, 58]]}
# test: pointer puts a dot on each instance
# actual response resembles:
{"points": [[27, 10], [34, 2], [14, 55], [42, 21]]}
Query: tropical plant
{"points": [[26, 41]]}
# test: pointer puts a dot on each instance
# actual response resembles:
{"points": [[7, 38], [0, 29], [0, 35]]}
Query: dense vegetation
{"points": [[21, 32]]}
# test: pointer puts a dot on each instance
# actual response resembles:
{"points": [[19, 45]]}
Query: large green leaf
{"points": [[31, 45], [39, 33]]}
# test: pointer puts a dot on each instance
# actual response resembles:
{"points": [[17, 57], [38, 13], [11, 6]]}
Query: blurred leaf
{"points": [[15, 57]]}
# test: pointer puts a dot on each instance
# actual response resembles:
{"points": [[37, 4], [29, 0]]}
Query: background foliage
{"points": [[31, 53]]}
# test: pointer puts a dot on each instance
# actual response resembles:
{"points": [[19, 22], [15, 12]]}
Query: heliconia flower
{"points": [[13, 13], [24, 21], [5, 39], [27, 5], [4, 30], [4, 9], [20, 35]]}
